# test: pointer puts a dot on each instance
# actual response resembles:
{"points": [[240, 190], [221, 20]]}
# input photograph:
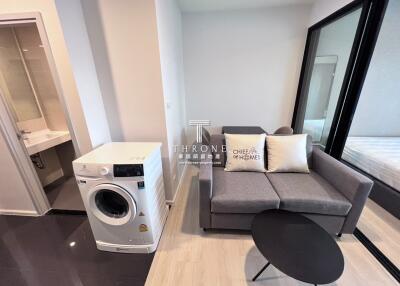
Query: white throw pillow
{"points": [[245, 152], [287, 153]]}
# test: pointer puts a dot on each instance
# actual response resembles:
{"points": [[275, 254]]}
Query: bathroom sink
{"points": [[44, 139]]}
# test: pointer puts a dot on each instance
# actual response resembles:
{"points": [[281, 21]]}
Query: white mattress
{"points": [[378, 156]]}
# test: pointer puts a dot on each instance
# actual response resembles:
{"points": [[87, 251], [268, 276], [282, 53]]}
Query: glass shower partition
{"points": [[15, 80]]}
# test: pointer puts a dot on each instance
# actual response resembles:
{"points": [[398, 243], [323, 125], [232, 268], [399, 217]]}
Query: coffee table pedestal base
{"points": [[262, 270]]}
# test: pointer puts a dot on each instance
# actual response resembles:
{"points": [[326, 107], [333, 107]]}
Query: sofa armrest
{"points": [[205, 191], [353, 185]]}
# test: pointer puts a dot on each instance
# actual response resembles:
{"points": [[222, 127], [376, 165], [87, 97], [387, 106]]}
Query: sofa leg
{"points": [[339, 234], [204, 229]]}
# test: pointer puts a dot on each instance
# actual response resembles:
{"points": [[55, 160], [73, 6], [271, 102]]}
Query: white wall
{"points": [[13, 194], [242, 67], [124, 33], [124, 41], [169, 28], [378, 109], [80, 53], [323, 8]]}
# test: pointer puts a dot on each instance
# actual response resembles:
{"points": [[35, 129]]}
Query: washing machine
{"points": [[123, 192]]}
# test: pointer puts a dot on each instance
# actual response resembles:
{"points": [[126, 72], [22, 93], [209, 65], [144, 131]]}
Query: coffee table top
{"points": [[297, 246]]}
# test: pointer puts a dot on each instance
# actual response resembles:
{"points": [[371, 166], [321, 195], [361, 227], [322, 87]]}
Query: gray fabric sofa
{"points": [[332, 194]]}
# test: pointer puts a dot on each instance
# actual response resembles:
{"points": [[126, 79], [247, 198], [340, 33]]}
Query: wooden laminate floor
{"points": [[188, 256], [382, 229]]}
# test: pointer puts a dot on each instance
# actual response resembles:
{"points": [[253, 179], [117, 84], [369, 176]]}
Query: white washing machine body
{"points": [[123, 192]]}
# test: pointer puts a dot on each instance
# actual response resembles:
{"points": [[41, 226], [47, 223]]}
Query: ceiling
{"points": [[218, 5]]}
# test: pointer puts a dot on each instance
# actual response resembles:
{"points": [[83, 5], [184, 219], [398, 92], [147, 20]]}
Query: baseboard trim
{"points": [[18, 212], [171, 202], [386, 263]]}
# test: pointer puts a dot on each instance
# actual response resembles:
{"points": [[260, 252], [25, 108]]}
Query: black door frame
{"points": [[363, 46], [348, 104], [366, 36]]}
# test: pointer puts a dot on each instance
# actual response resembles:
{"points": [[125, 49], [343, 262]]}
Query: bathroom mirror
{"points": [[16, 84]]}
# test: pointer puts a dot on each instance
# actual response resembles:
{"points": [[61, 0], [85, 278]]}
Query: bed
{"points": [[377, 156]]}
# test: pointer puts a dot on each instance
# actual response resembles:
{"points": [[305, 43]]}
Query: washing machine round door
{"points": [[112, 204]]}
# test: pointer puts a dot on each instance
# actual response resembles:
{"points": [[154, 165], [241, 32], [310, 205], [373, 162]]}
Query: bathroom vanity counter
{"points": [[44, 139]]}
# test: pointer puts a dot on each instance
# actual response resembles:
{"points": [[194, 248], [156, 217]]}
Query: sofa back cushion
{"points": [[218, 149], [205, 137], [287, 153], [309, 148], [245, 152]]}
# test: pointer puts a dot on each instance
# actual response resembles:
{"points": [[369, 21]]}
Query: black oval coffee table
{"points": [[297, 246]]}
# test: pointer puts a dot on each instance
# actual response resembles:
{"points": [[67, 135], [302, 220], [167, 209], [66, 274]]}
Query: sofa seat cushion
{"points": [[241, 192], [308, 193]]}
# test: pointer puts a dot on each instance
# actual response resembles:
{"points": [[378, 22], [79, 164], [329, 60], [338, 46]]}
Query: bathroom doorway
{"points": [[30, 94]]}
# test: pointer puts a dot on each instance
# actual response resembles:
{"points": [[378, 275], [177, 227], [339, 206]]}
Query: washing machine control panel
{"points": [[128, 170]]}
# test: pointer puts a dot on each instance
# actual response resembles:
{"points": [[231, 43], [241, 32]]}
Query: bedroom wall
{"points": [[378, 109], [242, 66]]}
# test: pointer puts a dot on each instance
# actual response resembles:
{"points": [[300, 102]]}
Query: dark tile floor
{"points": [[64, 195], [60, 250]]}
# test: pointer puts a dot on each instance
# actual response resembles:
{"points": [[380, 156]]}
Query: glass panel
{"points": [[373, 143], [40, 74], [327, 63], [14, 81], [319, 94], [111, 204]]}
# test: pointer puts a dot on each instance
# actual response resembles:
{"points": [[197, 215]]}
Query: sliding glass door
{"points": [[327, 60], [373, 142], [348, 101], [336, 59]]}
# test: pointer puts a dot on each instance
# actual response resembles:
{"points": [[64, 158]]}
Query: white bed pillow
{"points": [[287, 153], [245, 152]]}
